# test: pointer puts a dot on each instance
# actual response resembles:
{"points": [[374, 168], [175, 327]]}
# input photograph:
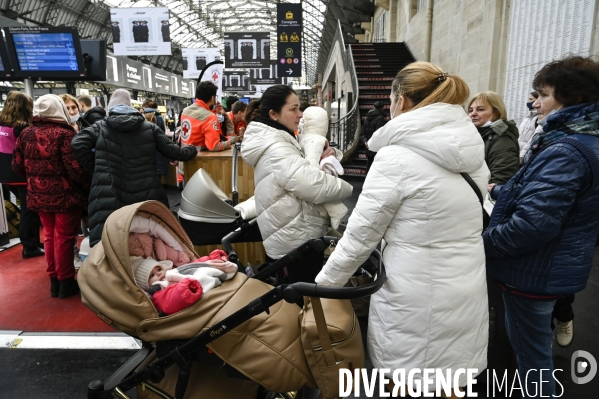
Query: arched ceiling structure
{"points": [[201, 23]]}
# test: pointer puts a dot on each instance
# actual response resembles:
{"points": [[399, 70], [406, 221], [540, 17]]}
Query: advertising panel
{"points": [[141, 31], [267, 76], [289, 39], [195, 59], [234, 81], [247, 49]]}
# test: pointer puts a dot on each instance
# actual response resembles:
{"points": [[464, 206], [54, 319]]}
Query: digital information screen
{"points": [[45, 51]]}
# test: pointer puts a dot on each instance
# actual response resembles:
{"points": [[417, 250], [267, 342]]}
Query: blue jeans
{"points": [[528, 323]]}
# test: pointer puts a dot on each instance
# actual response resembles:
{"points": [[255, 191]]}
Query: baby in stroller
{"points": [[174, 289], [243, 325]]}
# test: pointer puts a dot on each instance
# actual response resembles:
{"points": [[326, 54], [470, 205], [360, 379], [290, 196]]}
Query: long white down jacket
{"points": [[432, 310], [289, 191]]}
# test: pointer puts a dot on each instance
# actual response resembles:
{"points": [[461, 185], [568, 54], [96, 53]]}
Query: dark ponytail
{"points": [[272, 99], [252, 111]]}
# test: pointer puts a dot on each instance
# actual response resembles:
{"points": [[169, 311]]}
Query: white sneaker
{"points": [[565, 334]]}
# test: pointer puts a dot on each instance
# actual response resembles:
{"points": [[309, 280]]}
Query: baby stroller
{"points": [[207, 214], [235, 336]]}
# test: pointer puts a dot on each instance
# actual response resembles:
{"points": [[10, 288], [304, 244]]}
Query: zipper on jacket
{"points": [[336, 343]]}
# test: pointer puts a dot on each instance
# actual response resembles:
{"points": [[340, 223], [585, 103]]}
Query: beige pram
{"points": [[240, 340]]}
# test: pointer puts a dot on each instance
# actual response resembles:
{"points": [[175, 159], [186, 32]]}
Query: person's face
{"points": [[531, 98], [546, 102], [72, 108], [157, 274], [480, 112], [240, 116], [290, 113]]}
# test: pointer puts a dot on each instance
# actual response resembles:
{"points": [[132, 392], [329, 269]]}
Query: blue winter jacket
{"points": [[542, 232]]}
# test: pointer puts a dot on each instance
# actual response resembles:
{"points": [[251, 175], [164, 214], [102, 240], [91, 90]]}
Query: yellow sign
{"points": [[284, 37], [288, 15], [295, 37]]}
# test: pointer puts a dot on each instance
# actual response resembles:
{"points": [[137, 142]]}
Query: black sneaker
{"points": [[32, 253], [54, 287], [68, 288]]}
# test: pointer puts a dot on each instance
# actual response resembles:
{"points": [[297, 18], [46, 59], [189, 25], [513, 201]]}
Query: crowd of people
{"points": [[432, 165]]}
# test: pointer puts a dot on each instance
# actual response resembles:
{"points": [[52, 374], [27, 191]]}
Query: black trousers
{"points": [[562, 310], [29, 224]]}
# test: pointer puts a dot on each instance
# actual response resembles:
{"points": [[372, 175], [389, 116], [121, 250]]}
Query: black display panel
{"points": [[45, 52], [5, 69], [94, 58]]}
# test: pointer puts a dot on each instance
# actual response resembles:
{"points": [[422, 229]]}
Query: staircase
{"points": [[376, 65]]}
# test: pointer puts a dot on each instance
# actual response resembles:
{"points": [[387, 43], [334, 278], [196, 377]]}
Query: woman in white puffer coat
{"points": [[289, 190], [432, 310]]}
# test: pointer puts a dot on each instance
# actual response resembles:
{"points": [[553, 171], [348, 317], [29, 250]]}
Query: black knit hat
{"points": [[379, 105]]}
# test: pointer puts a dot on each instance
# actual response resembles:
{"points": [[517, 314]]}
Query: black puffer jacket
{"points": [[121, 152], [94, 114]]}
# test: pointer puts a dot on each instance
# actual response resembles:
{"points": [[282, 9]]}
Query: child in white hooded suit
{"points": [[313, 130]]}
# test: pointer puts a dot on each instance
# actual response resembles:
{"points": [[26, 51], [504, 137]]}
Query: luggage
{"points": [[332, 341]]}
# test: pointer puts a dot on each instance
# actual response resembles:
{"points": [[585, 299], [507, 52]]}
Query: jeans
{"points": [[528, 323], [60, 234]]}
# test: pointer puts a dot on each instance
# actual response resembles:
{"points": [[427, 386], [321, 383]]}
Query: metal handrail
{"points": [[345, 131]]}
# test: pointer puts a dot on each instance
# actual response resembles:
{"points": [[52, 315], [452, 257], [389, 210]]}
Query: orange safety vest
{"points": [[200, 128]]}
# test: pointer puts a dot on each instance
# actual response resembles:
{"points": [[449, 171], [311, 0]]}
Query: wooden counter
{"points": [[219, 166]]}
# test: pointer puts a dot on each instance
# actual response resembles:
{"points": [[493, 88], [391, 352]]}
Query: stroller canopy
{"points": [[203, 201]]}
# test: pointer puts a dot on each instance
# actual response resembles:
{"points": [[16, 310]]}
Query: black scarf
{"points": [[275, 124]]}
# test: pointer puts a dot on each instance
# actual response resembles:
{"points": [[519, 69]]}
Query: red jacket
{"points": [[55, 181]]}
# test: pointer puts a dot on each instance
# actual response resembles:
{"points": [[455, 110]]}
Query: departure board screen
{"points": [[45, 51]]}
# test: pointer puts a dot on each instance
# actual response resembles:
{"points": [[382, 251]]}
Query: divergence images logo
{"points": [[583, 366]]}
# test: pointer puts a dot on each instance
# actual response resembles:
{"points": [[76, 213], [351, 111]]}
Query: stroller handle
{"points": [[293, 292], [235, 236]]}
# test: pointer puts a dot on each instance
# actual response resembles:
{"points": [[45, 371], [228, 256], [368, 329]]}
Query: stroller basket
{"points": [[126, 378]]}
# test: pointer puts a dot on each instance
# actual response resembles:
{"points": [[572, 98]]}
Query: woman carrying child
{"points": [[290, 191]]}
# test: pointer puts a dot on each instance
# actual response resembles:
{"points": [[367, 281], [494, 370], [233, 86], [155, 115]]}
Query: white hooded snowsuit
{"points": [[312, 138], [432, 310]]}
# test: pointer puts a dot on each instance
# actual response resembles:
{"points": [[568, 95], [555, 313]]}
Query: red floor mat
{"points": [[26, 302]]}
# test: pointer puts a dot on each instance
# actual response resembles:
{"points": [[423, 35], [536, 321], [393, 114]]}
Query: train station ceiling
{"points": [[201, 23]]}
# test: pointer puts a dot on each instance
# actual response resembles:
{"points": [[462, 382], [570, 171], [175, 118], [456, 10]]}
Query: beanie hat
{"points": [[378, 105], [120, 96], [143, 267]]}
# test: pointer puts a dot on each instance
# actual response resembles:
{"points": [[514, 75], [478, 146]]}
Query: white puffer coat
{"points": [[432, 310], [289, 191]]}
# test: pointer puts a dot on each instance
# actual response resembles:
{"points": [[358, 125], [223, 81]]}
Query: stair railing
{"points": [[345, 132]]}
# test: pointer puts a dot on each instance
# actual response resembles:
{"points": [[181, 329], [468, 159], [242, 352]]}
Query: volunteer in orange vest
{"points": [[237, 115], [199, 125]]}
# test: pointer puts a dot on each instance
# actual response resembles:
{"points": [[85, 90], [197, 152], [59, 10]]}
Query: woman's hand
{"points": [[327, 152]]}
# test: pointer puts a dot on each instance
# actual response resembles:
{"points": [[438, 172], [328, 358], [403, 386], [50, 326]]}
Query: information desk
{"points": [[219, 166]]}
